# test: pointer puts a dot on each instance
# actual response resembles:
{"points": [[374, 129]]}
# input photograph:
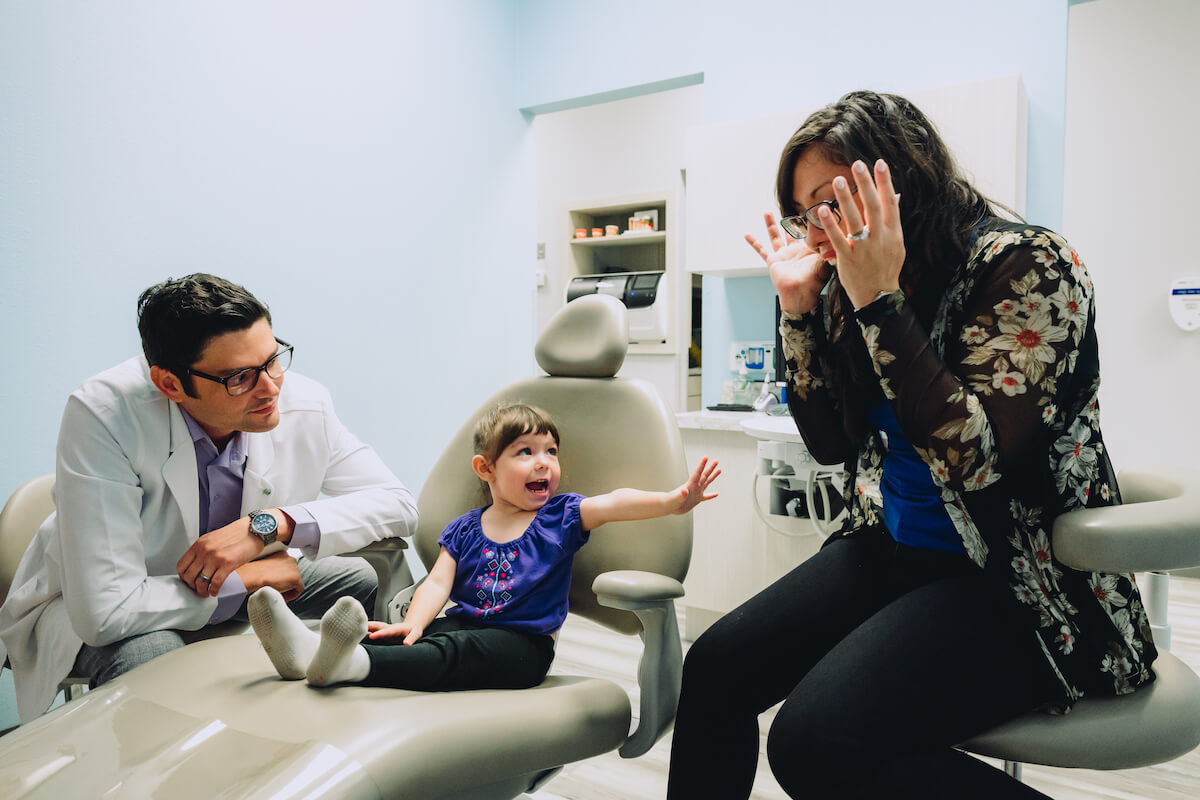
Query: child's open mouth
{"points": [[538, 486]]}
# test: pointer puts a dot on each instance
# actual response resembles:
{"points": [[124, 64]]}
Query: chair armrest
{"points": [[1157, 527], [660, 672], [386, 557]]}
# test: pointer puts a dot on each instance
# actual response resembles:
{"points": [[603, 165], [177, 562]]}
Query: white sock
{"points": [[288, 641], [340, 658]]}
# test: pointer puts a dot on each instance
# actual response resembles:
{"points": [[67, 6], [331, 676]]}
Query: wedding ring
{"points": [[205, 578], [861, 235]]}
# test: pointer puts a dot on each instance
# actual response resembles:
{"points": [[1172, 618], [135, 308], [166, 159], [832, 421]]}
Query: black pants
{"points": [[454, 654], [885, 656]]}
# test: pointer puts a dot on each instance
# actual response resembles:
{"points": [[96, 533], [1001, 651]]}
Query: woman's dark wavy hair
{"points": [[939, 210]]}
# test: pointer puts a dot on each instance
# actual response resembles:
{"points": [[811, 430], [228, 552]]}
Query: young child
{"points": [[506, 566]]}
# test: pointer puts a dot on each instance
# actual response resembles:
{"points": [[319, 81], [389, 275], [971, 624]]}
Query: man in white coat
{"points": [[181, 476]]}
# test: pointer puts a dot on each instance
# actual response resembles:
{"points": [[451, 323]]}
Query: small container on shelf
{"points": [[643, 221], [611, 230], [581, 233], [597, 232]]}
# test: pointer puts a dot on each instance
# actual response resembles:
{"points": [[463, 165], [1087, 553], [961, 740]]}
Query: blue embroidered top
{"points": [[523, 583], [913, 511]]}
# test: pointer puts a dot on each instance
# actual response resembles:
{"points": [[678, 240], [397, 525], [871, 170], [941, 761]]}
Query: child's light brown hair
{"points": [[506, 423]]}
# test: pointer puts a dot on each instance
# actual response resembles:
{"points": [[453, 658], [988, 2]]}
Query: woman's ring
{"points": [[861, 235], [205, 578]]}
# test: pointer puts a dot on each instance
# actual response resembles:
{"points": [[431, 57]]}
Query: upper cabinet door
{"points": [[731, 166]]}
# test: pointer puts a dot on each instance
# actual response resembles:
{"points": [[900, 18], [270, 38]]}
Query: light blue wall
{"points": [[762, 57], [361, 166]]}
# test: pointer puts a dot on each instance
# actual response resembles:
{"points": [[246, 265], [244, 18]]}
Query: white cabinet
{"points": [[734, 554], [628, 251], [731, 183], [595, 165], [661, 360], [731, 166]]}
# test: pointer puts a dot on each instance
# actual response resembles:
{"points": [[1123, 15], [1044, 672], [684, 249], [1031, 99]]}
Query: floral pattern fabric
{"points": [[1000, 401]]}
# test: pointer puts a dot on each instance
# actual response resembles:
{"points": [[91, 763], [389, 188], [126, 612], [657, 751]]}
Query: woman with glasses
{"points": [[947, 357]]}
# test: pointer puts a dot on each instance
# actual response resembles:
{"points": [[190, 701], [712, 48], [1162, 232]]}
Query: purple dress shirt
{"points": [[221, 475]]}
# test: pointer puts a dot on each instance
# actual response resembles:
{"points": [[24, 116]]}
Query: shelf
{"points": [[733, 272], [648, 237], [623, 205], [650, 349]]}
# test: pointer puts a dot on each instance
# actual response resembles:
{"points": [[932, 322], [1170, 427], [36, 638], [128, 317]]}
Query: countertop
{"points": [[752, 423], [715, 420]]}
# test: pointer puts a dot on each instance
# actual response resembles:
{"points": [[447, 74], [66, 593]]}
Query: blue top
{"points": [[523, 583], [913, 511]]}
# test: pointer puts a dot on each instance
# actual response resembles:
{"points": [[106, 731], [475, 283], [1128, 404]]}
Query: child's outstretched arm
{"points": [[428, 601], [626, 504]]}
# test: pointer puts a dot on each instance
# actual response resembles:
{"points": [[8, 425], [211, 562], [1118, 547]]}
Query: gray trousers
{"points": [[324, 582]]}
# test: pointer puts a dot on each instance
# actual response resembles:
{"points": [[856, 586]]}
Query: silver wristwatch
{"points": [[264, 526]]}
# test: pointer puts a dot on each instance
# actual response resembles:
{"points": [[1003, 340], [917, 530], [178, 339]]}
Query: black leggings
{"points": [[454, 654], [885, 656]]}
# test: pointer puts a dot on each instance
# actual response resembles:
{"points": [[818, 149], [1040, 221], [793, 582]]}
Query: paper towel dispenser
{"points": [[643, 293]]}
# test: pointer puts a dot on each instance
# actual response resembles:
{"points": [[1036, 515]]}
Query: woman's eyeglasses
{"points": [[795, 226]]}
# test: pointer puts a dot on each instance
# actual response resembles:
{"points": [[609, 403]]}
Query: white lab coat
{"points": [[102, 568]]}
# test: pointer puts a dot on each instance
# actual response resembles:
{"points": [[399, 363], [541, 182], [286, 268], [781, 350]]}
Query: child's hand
{"points": [[384, 630], [691, 494]]}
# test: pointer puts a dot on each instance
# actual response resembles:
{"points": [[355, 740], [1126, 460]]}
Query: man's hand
{"points": [[208, 562], [278, 570]]}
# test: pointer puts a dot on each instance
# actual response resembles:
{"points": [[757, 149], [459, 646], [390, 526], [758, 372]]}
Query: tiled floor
{"points": [[588, 649]]}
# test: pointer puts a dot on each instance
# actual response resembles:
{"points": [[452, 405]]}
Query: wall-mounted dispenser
{"points": [[1185, 303]]}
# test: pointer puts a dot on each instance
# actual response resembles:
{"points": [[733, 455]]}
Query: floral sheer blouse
{"points": [[1000, 401]]}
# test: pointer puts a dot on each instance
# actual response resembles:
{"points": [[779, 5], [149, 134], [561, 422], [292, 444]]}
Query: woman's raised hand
{"points": [[798, 273], [871, 254]]}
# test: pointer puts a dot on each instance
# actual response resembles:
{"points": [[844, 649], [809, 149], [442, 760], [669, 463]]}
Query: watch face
{"points": [[263, 523]]}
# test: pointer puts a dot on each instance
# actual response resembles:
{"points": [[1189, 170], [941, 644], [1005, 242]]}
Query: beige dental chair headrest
{"points": [[587, 338]]}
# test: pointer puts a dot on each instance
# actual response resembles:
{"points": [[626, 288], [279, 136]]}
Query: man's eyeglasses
{"points": [[795, 226], [246, 379]]}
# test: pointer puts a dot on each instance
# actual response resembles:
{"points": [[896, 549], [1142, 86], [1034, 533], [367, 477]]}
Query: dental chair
{"points": [[239, 730], [33, 501], [22, 515], [1156, 529]]}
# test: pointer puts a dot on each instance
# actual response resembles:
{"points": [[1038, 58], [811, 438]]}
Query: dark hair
{"points": [[939, 211], [178, 317]]}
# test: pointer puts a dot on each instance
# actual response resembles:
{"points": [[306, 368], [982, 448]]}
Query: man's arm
{"points": [[629, 504], [104, 547], [363, 501], [209, 562]]}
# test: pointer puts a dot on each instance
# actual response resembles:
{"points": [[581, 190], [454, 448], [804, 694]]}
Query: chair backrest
{"points": [[614, 432], [23, 514], [1156, 528]]}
